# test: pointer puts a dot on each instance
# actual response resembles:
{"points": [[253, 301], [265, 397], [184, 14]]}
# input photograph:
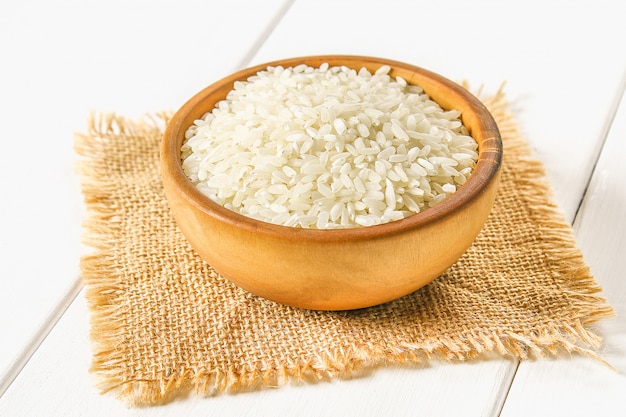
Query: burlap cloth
{"points": [[164, 323]]}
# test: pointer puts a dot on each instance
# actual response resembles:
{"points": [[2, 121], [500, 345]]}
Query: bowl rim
{"points": [[484, 174]]}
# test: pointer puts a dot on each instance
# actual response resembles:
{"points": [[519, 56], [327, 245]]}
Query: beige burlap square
{"points": [[164, 323]]}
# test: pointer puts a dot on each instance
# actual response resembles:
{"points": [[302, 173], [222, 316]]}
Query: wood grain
{"points": [[335, 269]]}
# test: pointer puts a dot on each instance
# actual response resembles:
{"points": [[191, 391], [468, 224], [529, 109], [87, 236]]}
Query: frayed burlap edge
{"points": [[104, 289], [556, 238]]}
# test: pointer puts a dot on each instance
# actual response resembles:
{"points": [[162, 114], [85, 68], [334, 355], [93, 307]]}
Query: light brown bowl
{"points": [[341, 268]]}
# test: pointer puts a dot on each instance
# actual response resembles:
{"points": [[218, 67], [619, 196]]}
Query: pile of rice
{"points": [[328, 147]]}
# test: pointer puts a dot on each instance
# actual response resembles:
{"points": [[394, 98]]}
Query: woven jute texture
{"points": [[165, 323]]}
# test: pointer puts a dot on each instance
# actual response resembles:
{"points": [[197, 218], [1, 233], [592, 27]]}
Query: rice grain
{"points": [[328, 147]]}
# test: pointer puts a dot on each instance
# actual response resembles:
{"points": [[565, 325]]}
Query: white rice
{"points": [[328, 147]]}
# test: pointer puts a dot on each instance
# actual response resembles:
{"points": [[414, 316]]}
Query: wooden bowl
{"points": [[340, 268]]}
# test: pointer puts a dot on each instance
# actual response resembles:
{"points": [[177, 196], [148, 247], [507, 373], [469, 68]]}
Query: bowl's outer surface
{"points": [[336, 269]]}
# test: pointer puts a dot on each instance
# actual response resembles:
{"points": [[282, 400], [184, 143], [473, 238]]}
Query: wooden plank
{"points": [[56, 382], [61, 60], [483, 48], [580, 386]]}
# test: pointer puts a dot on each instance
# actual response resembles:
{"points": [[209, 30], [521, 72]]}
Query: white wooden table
{"points": [[565, 67]]}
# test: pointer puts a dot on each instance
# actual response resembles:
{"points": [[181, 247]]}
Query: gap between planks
{"points": [[40, 335]]}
